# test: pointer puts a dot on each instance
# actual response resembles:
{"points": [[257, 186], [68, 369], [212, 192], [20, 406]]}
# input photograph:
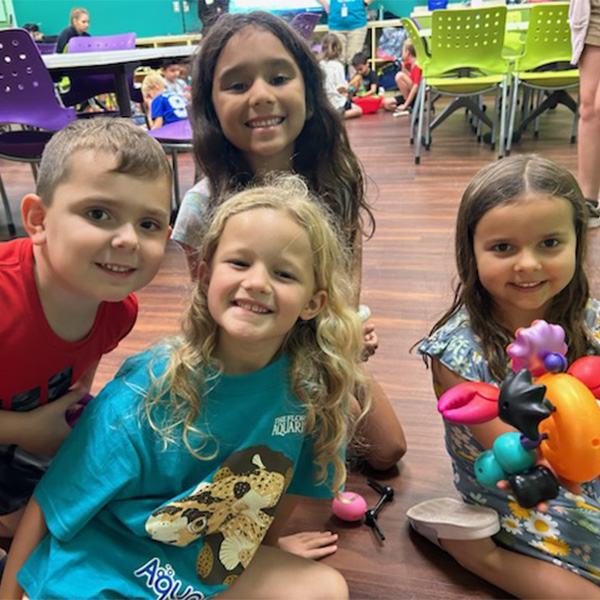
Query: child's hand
{"points": [[371, 341], [45, 428], [310, 544], [572, 486]]}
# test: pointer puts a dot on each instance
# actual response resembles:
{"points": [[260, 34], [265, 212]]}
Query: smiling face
{"points": [[526, 254], [259, 283], [259, 98], [104, 234]]}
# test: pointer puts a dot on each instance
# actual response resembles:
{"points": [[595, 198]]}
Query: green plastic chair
{"points": [[548, 41], [468, 42]]}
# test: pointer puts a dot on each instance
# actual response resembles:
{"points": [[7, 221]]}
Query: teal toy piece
{"points": [[488, 470], [511, 454], [507, 457]]}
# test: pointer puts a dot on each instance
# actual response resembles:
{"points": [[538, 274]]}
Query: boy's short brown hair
{"points": [[360, 58], [137, 153]]}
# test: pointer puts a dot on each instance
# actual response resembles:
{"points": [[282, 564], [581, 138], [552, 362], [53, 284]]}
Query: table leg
{"points": [[122, 91]]}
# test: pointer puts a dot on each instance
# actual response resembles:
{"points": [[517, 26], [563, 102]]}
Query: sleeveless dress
{"points": [[568, 535]]}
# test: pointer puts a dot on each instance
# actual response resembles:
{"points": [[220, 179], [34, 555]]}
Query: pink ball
{"points": [[350, 506]]}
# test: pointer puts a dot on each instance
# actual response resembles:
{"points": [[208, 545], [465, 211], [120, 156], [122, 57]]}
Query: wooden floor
{"points": [[408, 269]]}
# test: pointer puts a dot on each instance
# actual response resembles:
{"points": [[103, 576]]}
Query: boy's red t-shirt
{"points": [[37, 366], [416, 74]]}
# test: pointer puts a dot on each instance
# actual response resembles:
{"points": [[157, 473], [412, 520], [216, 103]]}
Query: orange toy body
{"points": [[573, 429]]}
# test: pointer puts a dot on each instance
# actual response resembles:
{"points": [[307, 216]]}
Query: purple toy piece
{"points": [[532, 345], [75, 411]]}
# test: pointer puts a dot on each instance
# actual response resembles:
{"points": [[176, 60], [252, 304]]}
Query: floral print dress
{"points": [[568, 535]]}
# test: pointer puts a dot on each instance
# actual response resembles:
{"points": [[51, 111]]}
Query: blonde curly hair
{"points": [[324, 353]]}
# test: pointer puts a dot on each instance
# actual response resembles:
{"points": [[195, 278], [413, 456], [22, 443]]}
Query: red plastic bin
{"points": [[370, 104]]}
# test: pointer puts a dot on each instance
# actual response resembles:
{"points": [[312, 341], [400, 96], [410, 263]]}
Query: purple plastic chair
{"points": [[26, 98], [175, 137], [305, 23], [46, 47], [99, 43], [84, 87]]}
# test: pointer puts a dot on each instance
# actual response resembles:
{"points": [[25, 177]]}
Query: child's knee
{"points": [[327, 584], [320, 582]]}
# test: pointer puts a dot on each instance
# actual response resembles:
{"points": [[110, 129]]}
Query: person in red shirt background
{"points": [[407, 80]]}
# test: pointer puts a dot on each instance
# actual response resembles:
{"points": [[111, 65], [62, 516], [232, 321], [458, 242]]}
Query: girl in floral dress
{"points": [[520, 250]]}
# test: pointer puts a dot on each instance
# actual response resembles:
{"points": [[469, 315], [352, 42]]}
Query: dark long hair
{"points": [[322, 151], [500, 183]]}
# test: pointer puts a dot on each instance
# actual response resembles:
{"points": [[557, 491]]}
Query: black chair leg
{"points": [[12, 230]]}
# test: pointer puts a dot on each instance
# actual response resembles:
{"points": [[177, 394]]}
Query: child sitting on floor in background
{"points": [[171, 72], [162, 107], [521, 237], [98, 226], [336, 86], [408, 80], [186, 466], [365, 80]]}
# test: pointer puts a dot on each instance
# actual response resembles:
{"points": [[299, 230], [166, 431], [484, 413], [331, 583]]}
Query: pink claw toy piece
{"points": [[349, 506], [469, 403]]}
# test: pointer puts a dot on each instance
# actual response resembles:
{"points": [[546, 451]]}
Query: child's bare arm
{"points": [[284, 512], [355, 81], [411, 96], [486, 433], [30, 533], [40, 431], [44, 429], [371, 91], [156, 123], [380, 431]]}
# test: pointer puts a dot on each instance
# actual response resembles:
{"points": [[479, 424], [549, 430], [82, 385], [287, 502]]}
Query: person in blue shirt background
{"points": [[348, 20], [162, 106]]}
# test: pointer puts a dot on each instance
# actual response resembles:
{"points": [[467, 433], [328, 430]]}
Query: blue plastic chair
{"points": [[27, 98]]}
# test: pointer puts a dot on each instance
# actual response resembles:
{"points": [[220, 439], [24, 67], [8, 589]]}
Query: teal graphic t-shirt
{"points": [[129, 518]]}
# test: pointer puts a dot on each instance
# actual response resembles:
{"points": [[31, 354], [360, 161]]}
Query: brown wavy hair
{"points": [[323, 156], [505, 182]]}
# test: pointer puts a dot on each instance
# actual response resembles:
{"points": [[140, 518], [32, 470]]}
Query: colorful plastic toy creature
{"points": [[557, 412]]}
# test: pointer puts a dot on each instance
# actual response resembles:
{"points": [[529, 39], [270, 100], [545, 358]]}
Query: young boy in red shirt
{"points": [[97, 229]]}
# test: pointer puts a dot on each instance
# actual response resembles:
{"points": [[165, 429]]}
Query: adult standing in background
{"points": [[348, 20], [584, 17], [209, 11], [79, 25]]}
